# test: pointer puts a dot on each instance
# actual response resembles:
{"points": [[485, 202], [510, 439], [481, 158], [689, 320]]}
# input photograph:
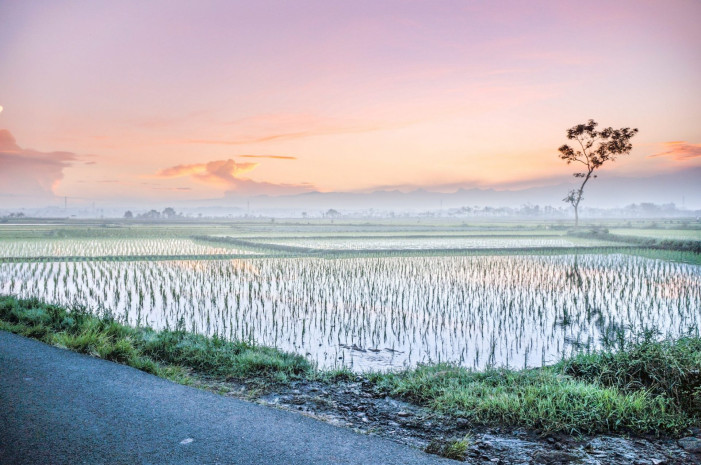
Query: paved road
{"points": [[60, 407]]}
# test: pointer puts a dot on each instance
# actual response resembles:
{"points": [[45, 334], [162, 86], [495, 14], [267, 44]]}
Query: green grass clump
{"points": [[335, 375], [669, 368], [546, 399], [454, 449], [220, 358], [171, 354]]}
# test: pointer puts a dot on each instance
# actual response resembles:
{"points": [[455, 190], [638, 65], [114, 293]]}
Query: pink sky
{"points": [[184, 100]]}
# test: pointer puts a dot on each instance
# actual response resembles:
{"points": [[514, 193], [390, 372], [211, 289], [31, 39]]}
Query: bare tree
{"points": [[593, 149]]}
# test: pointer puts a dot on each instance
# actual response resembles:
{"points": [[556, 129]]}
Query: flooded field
{"points": [[387, 312], [95, 247], [679, 234], [421, 243]]}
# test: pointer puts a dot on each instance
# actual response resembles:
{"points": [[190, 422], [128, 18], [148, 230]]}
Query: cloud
{"points": [[275, 157], [29, 174], [220, 172], [680, 150], [284, 136], [172, 188], [227, 174], [249, 187]]}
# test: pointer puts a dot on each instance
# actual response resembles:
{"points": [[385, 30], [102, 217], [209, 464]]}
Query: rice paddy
{"points": [[421, 243], [678, 234], [97, 247], [365, 312]]}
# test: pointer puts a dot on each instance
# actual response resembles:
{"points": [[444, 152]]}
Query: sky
{"points": [[166, 101]]}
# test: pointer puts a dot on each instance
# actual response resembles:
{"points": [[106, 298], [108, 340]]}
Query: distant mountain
{"points": [[682, 188]]}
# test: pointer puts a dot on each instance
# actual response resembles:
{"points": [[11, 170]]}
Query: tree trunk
{"points": [[579, 198]]}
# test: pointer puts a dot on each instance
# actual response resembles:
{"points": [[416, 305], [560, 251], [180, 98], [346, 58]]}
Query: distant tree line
{"points": [[167, 213], [641, 210]]}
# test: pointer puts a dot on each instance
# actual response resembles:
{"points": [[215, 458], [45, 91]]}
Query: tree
{"points": [[152, 215], [169, 212], [128, 214], [594, 149]]}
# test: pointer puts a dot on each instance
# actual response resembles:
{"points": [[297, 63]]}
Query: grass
{"points": [[671, 369], [172, 354], [660, 233], [539, 399], [691, 258], [641, 386], [454, 449], [660, 248], [680, 245]]}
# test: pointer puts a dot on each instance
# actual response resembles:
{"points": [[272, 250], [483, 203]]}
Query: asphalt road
{"points": [[60, 407]]}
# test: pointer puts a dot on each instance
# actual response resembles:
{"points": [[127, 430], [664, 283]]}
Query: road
{"points": [[60, 407]]}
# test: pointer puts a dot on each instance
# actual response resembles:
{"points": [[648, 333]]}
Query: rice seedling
{"points": [[385, 313], [29, 248]]}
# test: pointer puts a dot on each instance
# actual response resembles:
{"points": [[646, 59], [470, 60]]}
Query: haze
{"points": [[173, 102]]}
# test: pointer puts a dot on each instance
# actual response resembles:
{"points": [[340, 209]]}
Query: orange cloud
{"points": [[276, 157], [30, 174], [221, 172], [227, 174], [680, 150]]}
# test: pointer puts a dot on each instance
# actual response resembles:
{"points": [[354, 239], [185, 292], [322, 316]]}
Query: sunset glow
{"points": [[183, 100]]}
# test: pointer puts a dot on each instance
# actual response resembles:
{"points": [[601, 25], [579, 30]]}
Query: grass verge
{"points": [[642, 386], [176, 355], [539, 399]]}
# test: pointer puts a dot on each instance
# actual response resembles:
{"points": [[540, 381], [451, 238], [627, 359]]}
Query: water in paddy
{"points": [[404, 243], [380, 313], [108, 247]]}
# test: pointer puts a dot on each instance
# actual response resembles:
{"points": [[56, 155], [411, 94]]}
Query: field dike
{"points": [[637, 402]]}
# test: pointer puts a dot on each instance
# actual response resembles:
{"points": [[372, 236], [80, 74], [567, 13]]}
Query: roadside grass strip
{"points": [[638, 384]]}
